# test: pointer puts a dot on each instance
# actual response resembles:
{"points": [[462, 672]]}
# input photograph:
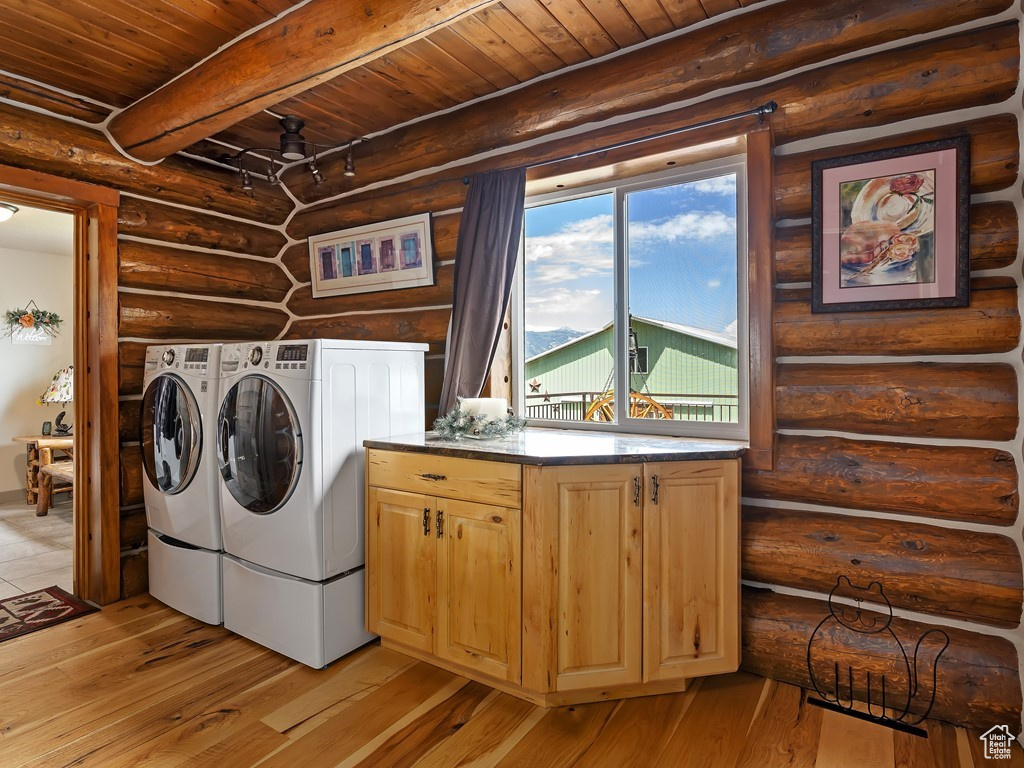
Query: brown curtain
{"points": [[485, 262]]}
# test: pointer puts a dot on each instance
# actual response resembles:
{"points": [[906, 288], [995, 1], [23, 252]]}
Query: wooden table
{"points": [[39, 452]]}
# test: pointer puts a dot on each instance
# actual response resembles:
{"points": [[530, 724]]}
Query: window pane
{"points": [[681, 250], [568, 306]]}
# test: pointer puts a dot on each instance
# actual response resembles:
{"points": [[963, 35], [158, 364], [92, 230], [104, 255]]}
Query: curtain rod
{"points": [[764, 109]]}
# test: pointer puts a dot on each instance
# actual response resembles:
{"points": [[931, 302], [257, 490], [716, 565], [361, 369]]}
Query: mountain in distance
{"points": [[541, 341]]}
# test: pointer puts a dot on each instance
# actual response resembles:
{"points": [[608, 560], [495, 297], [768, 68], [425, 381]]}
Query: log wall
{"points": [[897, 458]]}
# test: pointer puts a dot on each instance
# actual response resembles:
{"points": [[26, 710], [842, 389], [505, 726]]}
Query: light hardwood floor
{"points": [[141, 685]]}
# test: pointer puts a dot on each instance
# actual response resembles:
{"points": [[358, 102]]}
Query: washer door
{"points": [[259, 446], [172, 434]]}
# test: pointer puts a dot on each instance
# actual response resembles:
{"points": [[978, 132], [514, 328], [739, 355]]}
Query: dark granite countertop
{"points": [[562, 446]]}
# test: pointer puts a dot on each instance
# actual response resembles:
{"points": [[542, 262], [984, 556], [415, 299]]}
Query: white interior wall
{"points": [[26, 370]]}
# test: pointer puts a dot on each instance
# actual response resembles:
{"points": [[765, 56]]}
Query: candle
{"points": [[493, 408]]}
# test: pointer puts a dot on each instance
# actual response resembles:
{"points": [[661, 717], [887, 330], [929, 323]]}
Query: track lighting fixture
{"points": [[293, 147]]}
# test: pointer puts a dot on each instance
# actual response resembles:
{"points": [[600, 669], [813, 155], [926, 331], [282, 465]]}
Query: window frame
{"points": [[620, 188]]}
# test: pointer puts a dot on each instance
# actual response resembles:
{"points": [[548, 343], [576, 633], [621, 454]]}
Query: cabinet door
{"points": [[479, 588], [589, 567], [400, 567], [691, 569]]}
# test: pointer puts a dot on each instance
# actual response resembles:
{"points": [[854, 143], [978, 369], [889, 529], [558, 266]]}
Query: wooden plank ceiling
{"points": [[117, 51]]}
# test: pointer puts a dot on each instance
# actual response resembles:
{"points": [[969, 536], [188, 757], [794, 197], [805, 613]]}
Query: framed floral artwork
{"points": [[376, 257], [890, 228]]}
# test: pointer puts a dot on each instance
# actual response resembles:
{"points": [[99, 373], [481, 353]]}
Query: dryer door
{"points": [[171, 434], [259, 445]]}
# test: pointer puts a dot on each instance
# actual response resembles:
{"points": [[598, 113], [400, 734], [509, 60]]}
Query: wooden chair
{"points": [[49, 474]]}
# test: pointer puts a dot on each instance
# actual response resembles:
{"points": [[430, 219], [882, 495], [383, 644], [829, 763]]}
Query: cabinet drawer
{"points": [[491, 482]]}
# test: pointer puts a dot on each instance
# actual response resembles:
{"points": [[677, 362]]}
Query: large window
{"points": [[631, 309]]}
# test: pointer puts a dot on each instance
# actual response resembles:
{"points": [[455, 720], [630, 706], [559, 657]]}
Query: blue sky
{"points": [[682, 248]]}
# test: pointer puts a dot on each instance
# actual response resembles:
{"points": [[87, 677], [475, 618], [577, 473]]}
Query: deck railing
{"points": [[573, 406]]}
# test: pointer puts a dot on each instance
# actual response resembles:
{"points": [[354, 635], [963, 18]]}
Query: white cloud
{"points": [[580, 241], [730, 329], [693, 225], [714, 283], [719, 185], [581, 309]]}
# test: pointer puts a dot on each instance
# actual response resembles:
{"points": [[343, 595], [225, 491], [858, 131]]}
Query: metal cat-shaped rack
{"points": [[868, 635]]}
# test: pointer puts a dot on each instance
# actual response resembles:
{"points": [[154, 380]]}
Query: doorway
{"points": [[96, 498], [37, 353]]}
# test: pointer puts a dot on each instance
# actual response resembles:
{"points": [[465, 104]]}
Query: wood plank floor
{"points": [[141, 685]]}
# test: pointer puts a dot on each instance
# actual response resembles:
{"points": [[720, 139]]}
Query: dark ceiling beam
{"points": [[298, 51]]}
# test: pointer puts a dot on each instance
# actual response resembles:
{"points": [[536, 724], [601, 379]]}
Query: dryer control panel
{"points": [[291, 357]]}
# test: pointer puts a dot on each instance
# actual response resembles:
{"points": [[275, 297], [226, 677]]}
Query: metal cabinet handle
{"points": [[426, 521], [636, 491], [440, 523], [654, 489], [430, 476]]}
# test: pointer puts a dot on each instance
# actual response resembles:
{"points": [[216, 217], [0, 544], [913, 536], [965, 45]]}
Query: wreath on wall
{"points": [[32, 317]]}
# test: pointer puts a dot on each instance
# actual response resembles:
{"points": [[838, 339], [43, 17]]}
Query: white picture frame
{"points": [[374, 257]]}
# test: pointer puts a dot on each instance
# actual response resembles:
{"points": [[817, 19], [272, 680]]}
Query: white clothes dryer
{"points": [[178, 430], [290, 429]]}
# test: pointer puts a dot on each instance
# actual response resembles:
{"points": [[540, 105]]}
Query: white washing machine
{"points": [[290, 428], [179, 418]]}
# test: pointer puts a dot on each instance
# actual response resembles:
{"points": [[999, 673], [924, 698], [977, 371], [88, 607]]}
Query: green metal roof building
{"points": [[690, 371]]}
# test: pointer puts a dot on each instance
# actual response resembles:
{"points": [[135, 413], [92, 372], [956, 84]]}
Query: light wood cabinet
{"points": [[583, 577], [403, 553], [691, 569], [611, 580], [479, 588], [443, 576]]}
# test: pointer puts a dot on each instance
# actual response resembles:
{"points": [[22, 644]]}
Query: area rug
{"points": [[39, 610]]}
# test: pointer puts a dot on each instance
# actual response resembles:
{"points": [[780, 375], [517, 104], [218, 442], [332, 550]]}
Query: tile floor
{"points": [[35, 552]]}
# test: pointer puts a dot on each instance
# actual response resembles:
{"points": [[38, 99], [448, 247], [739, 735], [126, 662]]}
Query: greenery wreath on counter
{"points": [[459, 424], [32, 317]]}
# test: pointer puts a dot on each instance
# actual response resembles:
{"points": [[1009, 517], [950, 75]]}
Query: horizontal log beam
{"points": [[965, 401], [134, 574], [133, 528], [167, 223], [729, 53], [994, 238], [810, 104], [160, 268], [295, 260], [129, 419], [990, 324], [437, 192], [995, 158], [152, 316], [426, 325], [958, 574], [131, 370], [433, 380], [42, 143], [131, 475], [303, 304], [311, 45], [977, 485], [37, 95], [978, 678]]}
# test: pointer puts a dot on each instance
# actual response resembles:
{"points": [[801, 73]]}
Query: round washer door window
{"points": [[259, 445], [171, 434]]}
